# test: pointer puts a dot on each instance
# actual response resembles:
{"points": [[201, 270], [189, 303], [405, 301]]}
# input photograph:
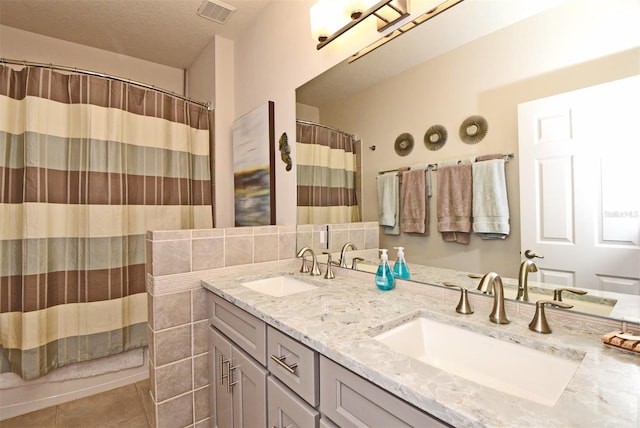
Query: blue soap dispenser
{"points": [[384, 275], [400, 268]]}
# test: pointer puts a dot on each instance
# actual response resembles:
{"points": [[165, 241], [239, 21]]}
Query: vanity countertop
{"points": [[339, 318]]}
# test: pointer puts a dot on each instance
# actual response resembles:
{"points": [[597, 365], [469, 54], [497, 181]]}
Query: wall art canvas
{"points": [[253, 167]]}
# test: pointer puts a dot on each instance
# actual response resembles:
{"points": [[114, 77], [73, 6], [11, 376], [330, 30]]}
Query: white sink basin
{"points": [[511, 368], [279, 286]]}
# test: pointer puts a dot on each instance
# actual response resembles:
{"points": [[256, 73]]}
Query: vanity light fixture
{"points": [[332, 18], [445, 5]]}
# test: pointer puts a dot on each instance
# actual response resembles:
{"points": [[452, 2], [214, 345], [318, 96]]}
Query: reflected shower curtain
{"points": [[326, 173], [87, 166]]}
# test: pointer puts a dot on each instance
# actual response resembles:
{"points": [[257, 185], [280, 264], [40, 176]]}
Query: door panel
{"points": [[579, 179], [220, 354], [249, 391]]}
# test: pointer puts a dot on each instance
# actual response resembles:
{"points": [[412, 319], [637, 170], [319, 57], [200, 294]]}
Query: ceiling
{"points": [[170, 32], [451, 29], [166, 32]]}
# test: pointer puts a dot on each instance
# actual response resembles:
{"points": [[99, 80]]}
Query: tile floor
{"points": [[127, 406]]}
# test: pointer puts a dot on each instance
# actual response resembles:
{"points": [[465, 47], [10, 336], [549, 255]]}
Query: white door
{"points": [[579, 158]]}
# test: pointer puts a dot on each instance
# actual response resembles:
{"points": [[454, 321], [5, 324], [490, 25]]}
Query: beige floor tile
{"points": [[142, 388], [106, 409], [45, 418]]}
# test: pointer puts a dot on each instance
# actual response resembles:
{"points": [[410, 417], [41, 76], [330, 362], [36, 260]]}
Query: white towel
{"points": [[490, 203], [388, 202]]}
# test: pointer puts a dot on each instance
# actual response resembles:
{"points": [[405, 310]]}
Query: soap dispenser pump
{"points": [[400, 268], [384, 276]]}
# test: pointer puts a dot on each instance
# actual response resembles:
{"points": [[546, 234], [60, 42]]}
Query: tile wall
{"points": [[178, 354], [176, 261]]}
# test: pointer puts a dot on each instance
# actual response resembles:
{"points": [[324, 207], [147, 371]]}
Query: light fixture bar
{"points": [[405, 28], [401, 11]]}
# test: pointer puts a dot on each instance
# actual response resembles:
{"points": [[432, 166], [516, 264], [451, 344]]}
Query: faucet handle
{"points": [[557, 293], [329, 273], [354, 262], [539, 322], [464, 307]]}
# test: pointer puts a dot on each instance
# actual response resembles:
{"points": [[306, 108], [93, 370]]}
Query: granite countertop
{"points": [[340, 317]]}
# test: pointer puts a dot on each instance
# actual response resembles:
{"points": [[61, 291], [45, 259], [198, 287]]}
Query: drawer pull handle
{"points": [[230, 381], [221, 363], [280, 361]]}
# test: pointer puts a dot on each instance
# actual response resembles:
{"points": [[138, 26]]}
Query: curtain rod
{"points": [[307, 122], [104, 75], [434, 166]]}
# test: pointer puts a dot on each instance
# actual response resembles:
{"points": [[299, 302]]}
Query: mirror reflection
{"points": [[553, 52]]}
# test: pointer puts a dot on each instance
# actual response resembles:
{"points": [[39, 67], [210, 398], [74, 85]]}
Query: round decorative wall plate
{"points": [[435, 137], [404, 144], [473, 129]]}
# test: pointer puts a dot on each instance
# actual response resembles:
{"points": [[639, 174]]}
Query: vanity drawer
{"points": [[286, 409], [294, 364], [247, 331], [351, 401]]}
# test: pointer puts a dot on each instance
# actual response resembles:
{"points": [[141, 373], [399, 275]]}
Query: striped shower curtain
{"points": [[326, 175], [87, 166]]}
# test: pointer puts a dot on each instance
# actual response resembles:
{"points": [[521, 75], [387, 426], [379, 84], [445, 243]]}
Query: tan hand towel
{"points": [[415, 203], [454, 203]]}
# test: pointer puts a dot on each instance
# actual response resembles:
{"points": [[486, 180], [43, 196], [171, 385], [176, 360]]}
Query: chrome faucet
{"points": [[315, 271], [523, 287], [343, 253], [489, 282]]}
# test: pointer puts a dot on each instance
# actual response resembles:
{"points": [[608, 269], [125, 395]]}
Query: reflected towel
{"points": [[388, 203], [454, 203], [415, 202], [490, 203]]}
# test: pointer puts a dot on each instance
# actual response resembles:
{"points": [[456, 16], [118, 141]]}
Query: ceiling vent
{"points": [[215, 10]]}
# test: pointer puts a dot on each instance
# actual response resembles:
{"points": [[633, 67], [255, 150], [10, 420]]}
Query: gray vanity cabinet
{"points": [[287, 410], [351, 401], [239, 385], [260, 377]]}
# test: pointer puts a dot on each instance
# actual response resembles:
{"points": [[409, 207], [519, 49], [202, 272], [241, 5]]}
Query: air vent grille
{"points": [[215, 10]]}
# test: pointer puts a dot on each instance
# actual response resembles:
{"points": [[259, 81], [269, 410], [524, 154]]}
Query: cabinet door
{"points": [[220, 399], [351, 401], [287, 410], [249, 384]]}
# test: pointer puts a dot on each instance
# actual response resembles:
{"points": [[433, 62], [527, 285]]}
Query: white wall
{"points": [[24, 45]]}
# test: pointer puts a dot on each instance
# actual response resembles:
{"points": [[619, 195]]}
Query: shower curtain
{"points": [[87, 166], [326, 174]]}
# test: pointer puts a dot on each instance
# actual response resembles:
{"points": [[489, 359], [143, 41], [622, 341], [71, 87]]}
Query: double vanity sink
{"points": [[461, 369], [509, 367]]}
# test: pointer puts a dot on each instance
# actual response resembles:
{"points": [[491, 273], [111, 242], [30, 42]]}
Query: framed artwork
{"points": [[254, 167]]}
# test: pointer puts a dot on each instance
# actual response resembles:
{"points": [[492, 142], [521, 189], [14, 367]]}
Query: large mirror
{"points": [[414, 83]]}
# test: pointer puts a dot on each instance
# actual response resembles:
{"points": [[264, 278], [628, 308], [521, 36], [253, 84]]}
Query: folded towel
{"points": [[489, 157], [447, 163], [415, 203], [454, 203], [622, 340], [426, 167], [388, 203], [490, 203]]}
